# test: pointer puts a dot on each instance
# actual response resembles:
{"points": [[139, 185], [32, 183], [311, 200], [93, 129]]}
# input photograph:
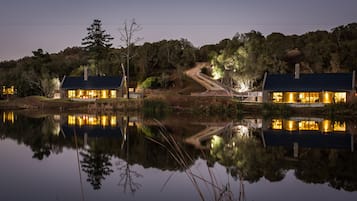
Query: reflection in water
{"points": [[322, 125], [92, 120], [308, 133], [8, 117], [111, 148]]}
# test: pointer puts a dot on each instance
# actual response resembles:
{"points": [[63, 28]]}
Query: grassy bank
{"points": [[160, 106]]}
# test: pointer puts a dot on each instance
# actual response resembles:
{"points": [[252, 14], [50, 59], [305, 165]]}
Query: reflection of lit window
{"points": [[339, 126], [8, 117], [326, 126], [308, 125], [92, 121], [340, 97], [277, 97], [277, 124], [71, 120], [290, 125], [113, 121], [81, 121], [104, 121]]}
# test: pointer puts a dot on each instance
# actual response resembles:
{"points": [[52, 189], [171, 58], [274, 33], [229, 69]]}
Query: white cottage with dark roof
{"points": [[312, 89]]}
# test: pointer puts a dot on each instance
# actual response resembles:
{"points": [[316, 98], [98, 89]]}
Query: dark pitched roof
{"points": [[309, 82], [93, 82]]}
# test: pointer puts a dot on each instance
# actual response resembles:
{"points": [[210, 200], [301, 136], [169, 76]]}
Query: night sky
{"points": [[26, 25]]}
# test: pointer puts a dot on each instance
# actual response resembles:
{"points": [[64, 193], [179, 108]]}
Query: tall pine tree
{"points": [[97, 42]]}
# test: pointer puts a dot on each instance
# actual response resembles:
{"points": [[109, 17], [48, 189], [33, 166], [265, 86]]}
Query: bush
{"points": [[150, 83]]}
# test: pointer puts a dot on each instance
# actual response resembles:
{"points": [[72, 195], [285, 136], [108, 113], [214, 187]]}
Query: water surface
{"points": [[113, 157]]}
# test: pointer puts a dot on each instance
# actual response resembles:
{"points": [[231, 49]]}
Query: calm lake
{"points": [[116, 157]]}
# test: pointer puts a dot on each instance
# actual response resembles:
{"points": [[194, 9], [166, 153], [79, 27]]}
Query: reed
{"points": [[199, 182]]}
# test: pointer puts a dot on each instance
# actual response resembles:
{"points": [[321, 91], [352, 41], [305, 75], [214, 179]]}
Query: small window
{"points": [[340, 97], [277, 97]]}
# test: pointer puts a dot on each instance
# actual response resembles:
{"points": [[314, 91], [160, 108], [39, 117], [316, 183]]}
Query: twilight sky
{"points": [[53, 25]]}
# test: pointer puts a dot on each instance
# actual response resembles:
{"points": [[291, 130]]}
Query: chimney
{"points": [[85, 73], [297, 71]]}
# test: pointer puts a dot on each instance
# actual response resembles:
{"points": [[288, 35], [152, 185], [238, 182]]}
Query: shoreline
{"points": [[178, 105]]}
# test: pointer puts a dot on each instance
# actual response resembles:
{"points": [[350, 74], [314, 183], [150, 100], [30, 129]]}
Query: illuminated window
{"points": [[339, 126], [309, 97], [277, 124], [8, 91], [113, 93], [340, 97], [290, 97], [277, 97], [104, 94], [80, 93], [327, 97], [71, 93]]}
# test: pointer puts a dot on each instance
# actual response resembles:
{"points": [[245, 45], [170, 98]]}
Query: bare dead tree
{"points": [[127, 36]]}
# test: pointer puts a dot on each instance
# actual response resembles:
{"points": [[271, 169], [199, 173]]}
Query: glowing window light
{"points": [[340, 97], [290, 97], [8, 91], [327, 97], [277, 97], [71, 93], [113, 93], [104, 94]]}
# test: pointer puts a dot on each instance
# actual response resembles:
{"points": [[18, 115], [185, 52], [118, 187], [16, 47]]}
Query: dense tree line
{"points": [[239, 62], [242, 60]]}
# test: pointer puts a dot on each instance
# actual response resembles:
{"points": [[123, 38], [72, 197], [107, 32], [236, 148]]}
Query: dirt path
{"points": [[213, 88]]}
